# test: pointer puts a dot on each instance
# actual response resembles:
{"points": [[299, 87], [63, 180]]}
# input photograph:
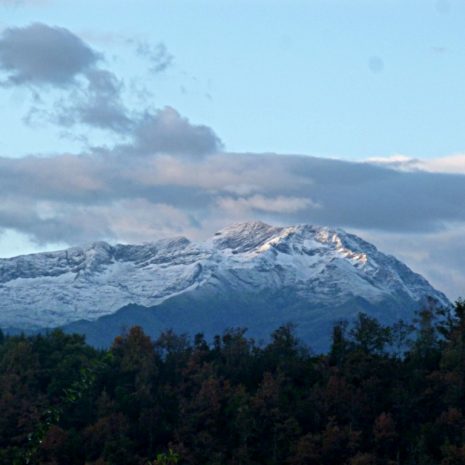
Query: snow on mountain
{"points": [[320, 265]]}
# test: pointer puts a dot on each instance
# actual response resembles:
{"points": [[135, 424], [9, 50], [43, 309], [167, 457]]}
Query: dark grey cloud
{"points": [[297, 189], [166, 131], [360, 195], [43, 55], [39, 55]]}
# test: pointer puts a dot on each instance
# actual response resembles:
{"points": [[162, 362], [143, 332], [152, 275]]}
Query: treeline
{"points": [[381, 396]]}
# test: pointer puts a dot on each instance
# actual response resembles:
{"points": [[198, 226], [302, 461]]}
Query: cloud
{"points": [[171, 177], [43, 55], [158, 56], [289, 188], [279, 204], [439, 256], [450, 164], [453, 164], [400, 162], [98, 104], [40, 56], [166, 131], [72, 199], [91, 96]]}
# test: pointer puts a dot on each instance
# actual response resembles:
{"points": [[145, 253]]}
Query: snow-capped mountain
{"points": [[303, 273]]}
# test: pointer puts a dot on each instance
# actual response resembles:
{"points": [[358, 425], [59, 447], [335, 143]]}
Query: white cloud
{"points": [[452, 164]]}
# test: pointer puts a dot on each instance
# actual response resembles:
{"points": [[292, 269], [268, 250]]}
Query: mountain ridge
{"points": [[319, 266]]}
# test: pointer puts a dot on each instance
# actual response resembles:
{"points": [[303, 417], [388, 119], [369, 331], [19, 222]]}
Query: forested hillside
{"points": [[382, 395]]}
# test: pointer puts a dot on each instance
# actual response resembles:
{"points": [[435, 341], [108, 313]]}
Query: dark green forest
{"points": [[381, 395]]}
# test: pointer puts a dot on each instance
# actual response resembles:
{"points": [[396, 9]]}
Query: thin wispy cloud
{"points": [[158, 56]]}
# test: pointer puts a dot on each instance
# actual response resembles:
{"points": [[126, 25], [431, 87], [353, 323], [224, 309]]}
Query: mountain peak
{"points": [[302, 266]]}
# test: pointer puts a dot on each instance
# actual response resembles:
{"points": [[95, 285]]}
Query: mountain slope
{"points": [[311, 275]]}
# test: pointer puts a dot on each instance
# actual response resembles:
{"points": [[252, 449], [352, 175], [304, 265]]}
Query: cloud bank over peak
{"points": [[116, 196], [280, 188]]}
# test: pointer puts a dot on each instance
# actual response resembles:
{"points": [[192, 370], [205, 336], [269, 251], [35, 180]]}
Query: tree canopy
{"points": [[381, 396]]}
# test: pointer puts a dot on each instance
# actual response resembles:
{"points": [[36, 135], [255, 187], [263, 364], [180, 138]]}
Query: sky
{"points": [[130, 121]]}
